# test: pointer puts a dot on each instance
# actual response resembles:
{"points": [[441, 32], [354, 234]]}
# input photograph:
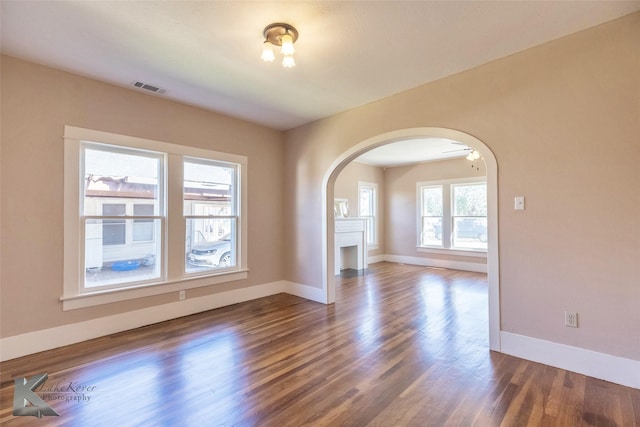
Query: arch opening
{"points": [[328, 224]]}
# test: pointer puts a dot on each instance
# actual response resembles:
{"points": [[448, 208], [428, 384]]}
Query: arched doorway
{"points": [[328, 278]]}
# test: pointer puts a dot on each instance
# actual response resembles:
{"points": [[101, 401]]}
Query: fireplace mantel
{"points": [[350, 244]]}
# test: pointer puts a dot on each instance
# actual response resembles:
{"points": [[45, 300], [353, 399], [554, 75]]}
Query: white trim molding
{"points": [[603, 366], [438, 263], [452, 252], [47, 339], [306, 292], [372, 259]]}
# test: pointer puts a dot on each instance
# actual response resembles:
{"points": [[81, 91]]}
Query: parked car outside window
{"points": [[215, 254]]}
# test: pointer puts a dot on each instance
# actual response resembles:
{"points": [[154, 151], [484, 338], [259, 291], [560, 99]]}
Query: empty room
{"points": [[320, 213]]}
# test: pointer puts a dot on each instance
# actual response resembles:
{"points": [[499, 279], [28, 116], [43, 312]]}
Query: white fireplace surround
{"points": [[350, 233]]}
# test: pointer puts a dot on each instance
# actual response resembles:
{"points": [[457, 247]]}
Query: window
{"points": [[210, 215], [469, 216], [367, 208], [144, 217], [453, 215], [116, 180]]}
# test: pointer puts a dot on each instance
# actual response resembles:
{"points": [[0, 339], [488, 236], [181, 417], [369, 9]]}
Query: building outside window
{"points": [[143, 227]]}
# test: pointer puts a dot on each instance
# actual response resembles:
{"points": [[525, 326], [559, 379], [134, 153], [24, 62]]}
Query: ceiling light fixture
{"points": [[283, 35], [473, 156]]}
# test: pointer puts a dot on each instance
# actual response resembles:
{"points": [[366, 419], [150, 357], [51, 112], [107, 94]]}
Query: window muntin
{"points": [[119, 186], [453, 215], [367, 208], [210, 209]]}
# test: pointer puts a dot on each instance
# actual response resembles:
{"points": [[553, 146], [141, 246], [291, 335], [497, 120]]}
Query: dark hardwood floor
{"points": [[402, 346]]}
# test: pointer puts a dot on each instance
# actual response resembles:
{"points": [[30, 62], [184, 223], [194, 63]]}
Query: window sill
{"points": [[73, 302], [479, 253]]}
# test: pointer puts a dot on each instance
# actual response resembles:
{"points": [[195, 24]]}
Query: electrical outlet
{"points": [[571, 319], [182, 295]]}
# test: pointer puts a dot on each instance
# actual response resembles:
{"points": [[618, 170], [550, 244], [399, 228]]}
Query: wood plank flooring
{"points": [[402, 346]]}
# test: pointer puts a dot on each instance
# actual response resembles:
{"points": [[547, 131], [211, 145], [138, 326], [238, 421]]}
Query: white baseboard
{"points": [[439, 263], [375, 258], [306, 292], [604, 366], [46, 339]]}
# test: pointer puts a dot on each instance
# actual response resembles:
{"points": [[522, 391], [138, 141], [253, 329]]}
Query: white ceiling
{"points": [[414, 151], [349, 53]]}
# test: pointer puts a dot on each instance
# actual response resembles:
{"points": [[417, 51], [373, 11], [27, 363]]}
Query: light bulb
{"points": [[288, 61], [287, 44], [267, 52]]}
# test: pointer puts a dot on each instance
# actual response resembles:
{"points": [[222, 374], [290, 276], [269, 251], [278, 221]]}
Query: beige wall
{"points": [[346, 187], [563, 122], [36, 104], [401, 204]]}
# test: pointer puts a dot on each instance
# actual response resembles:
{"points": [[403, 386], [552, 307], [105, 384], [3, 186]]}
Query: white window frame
{"points": [[447, 217], [235, 208], [174, 277], [372, 241]]}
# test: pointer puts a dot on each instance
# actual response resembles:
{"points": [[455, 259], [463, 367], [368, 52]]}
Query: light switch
{"points": [[519, 203]]}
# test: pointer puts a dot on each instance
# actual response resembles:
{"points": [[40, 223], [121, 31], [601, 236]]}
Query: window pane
{"points": [[367, 210], [109, 265], [371, 230], [470, 200], [470, 232], [210, 244], [208, 189], [113, 230], [123, 183], [470, 211], [366, 202], [432, 201], [114, 174], [142, 228], [431, 231]]}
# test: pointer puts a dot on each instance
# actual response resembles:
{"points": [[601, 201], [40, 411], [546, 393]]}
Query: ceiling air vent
{"points": [[149, 87]]}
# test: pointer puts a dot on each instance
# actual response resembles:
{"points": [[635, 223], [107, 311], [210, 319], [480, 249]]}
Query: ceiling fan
{"points": [[465, 148], [472, 155]]}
